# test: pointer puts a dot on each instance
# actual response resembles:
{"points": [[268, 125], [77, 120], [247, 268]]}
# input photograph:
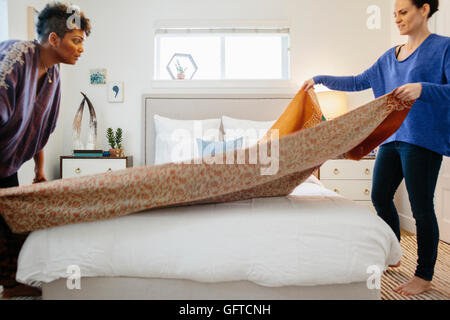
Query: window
{"points": [[3, 20], [222, 54]]}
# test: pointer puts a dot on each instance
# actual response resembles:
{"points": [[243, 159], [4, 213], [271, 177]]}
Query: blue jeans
{"points": [[420, 168]]}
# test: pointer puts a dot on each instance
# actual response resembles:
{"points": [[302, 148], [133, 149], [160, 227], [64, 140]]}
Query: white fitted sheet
{"points": [[311, 237]]}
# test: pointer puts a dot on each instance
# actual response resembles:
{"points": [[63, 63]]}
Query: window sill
{"points": [[235, 84]]}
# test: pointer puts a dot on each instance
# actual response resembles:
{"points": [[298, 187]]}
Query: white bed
{"points": [[312, 244]]}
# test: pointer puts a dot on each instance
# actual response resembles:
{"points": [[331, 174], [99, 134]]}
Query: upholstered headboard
{"points": [[261, 107]]}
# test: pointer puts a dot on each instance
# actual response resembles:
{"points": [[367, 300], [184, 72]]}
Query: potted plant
{"points": [[119, 149], [180, 70], [115, 142]]}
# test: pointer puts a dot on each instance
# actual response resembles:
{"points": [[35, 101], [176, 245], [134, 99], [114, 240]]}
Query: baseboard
{"points": [[407, 223]]}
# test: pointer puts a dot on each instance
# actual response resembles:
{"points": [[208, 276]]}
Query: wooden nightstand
{"points": [[351, 179], [79, 166]]}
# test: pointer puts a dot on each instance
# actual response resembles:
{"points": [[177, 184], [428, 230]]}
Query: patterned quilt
{"points": [[298, 143]]}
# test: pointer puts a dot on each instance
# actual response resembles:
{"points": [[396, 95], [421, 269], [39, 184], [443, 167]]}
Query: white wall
{"points": [[17, 11], [327, 37], [3, 20], [443, 18]]}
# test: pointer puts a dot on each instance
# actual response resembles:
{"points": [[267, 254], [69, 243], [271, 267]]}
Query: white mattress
{"points": [[311, 237]]}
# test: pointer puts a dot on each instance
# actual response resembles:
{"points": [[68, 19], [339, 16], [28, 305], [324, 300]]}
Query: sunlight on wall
{"points": [[3, 20]]}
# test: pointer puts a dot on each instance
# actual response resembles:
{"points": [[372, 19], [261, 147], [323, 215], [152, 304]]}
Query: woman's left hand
{"points": [[39, 177], [409, 92]]}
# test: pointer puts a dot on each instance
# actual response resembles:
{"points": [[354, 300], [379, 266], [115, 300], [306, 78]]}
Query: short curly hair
{"points": [[54, 17], [434, 5]]}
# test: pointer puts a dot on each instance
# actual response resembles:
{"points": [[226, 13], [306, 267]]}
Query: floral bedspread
{"points": [[298, 143]]}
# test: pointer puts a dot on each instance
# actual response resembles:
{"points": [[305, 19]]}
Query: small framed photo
{"points": [[115, 91], [98, 76]]}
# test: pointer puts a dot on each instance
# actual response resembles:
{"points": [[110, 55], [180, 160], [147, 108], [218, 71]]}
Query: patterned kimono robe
{"points": [[27, 118]]}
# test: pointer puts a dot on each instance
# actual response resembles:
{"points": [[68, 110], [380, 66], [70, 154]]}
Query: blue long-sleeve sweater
{"points": [[428, 122]]}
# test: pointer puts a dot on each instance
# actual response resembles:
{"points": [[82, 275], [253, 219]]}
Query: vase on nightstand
{"points": [[117, 152], [91, 144]]}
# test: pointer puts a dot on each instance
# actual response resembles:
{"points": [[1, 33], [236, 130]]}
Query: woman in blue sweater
{"points": [[418, 70]]}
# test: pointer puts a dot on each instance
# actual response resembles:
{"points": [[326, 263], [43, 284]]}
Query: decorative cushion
{"points": [[211, 148], [176, 139]]}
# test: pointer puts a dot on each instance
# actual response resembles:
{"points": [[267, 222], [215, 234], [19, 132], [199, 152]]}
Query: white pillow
{"points": [[176, 139], [250, 130]]}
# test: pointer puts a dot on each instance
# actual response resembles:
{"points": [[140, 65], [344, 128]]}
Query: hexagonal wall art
{"points": [[182, 66]]}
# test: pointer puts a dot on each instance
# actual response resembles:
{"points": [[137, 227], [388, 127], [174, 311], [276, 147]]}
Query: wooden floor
{"points": [[406, 233]]}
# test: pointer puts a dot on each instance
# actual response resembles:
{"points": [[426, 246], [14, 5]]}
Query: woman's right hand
{"points": [[308, 84]]}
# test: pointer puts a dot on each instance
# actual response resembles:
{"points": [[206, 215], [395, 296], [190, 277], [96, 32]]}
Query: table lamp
{"points": [[332, 103]]}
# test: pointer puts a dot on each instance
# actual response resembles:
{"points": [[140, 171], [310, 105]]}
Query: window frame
{"points": [[286, 65]]}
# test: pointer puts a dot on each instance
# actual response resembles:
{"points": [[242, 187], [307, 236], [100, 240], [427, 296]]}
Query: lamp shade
{"points": [[332, 103]]}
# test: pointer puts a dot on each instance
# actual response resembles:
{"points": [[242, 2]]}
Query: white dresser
{"points": [[79, 166], [351, 179]]}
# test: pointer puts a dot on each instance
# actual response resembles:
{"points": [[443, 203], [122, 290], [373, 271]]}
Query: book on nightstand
{"points": [[88, 153]]}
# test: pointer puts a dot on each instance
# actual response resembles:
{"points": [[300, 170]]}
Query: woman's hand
{"points": [[39, 167], [309, 84], [408, 92], [39, 176]]}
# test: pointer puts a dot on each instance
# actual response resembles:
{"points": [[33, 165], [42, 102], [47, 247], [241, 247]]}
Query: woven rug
{"points": [[396, 276]]}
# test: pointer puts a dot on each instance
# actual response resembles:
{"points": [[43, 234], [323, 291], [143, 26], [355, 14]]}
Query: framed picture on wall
{"points": [[115, 91], [97, 76], [32, 17]]}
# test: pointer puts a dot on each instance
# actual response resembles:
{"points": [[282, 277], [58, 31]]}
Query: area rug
{"points": [[298, 143], [396, 276]]}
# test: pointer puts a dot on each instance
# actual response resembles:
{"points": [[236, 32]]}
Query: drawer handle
{"points": [[367, 171], [109, 170], [336, 171], [336, 190], [366, 192], [78, 170]]}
